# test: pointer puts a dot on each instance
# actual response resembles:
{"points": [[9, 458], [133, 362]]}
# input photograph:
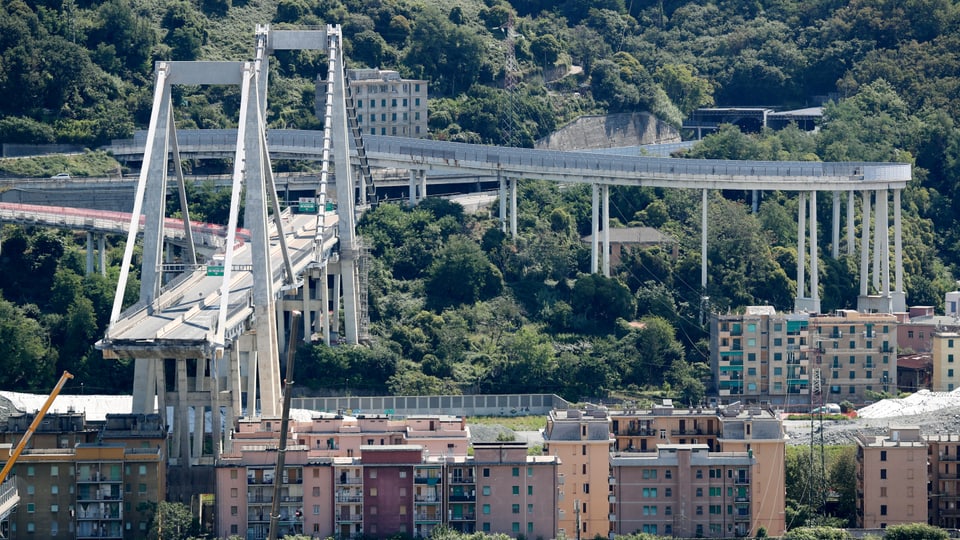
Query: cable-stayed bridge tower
{"points": [[206, 336]]}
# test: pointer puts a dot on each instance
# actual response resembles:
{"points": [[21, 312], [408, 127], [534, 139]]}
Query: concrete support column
{"points": [[281, 328], [877, 242], [703, 240], [423, 185], [199, 426], [513, 208], [234, 409], [594, 228], [253, 411], [335, 322], [899, 300], [865, 244], [835, 248], [102, 252], [503, 201], [324, 315], [144, 385], [181, 432], [755, 201], [310, 317], [605, 195], [851, 226], [883, 228], [814, 255], [801, 245], [413, 187], [89, 253], [159, 375]]}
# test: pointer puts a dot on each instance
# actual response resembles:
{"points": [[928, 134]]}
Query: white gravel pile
{"points": [[920, 402]]}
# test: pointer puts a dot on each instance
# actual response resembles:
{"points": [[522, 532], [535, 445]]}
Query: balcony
{"points": [[463, 517], [612, 499], [463, 497], [743, 499], [349, 498], [349, 518], [428, 480], [612, 517], [354, 481], [426, 499], [427, 517], [463, 480], [741, 480], [612, 481]]}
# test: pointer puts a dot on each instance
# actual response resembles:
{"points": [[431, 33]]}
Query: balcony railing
{"points": [[463, 517]]}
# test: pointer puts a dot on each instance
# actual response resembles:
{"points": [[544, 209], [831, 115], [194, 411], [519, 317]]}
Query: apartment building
{"points": [[387, 104], [916, 327], [582, 441], [855, 353], [797, 360], [943, 456], [891, 478], [761, 355], [682, 490], [87, 480], [945, 373], [517, 493], [739, 429]]}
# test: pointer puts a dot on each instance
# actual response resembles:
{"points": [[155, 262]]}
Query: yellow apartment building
{"points": [[946, 362]]}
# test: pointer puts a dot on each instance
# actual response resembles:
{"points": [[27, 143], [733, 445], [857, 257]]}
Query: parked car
{"points": [[61, 176]]}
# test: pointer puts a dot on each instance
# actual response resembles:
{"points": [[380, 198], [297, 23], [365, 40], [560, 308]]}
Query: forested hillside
{"points": [[456, 305]]}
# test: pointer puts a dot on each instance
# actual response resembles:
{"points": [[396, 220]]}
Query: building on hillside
{"points": [[387, 104], [891, 478], [855, 353], [517, 493], [683, 491], [914, 372], [945, 371], [624, 239], [761, 355], [943, 455], [916, 327], [736, 428], [84, 480], [581, 440]]}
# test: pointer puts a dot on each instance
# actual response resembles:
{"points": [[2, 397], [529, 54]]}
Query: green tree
{"points": [[648, 351], [599, 301], [915, 531], [186, 30], [687, 90], [173, 521], [449, 56], [461, 274]]}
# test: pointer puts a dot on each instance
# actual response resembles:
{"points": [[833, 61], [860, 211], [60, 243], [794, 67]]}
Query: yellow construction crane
{"points": [[33, 425]]}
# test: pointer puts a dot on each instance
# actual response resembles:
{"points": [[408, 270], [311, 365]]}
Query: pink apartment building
{"points": [[517, 493], [891, 478]]}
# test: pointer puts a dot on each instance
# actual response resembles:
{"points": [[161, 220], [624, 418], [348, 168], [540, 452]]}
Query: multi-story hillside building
{"points": [[582, 441], [387, 104], [682, 490], [916, 327], [786, 359], [891, 478], [84, 480], [945, 375], [943, 456], [751, 431], [761, 355], [855, 353]]}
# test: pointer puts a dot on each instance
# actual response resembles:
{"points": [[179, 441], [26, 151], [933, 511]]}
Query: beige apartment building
{"points": [[945, 376], [581, 440], [891, 478], [762, 355], [750, 430], [797, 361], [387, 104], [943, 456], [87, 480], [682, 490]]}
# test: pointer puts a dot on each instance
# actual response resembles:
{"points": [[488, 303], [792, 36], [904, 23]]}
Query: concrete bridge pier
{"points": [[875, 271], [802, 302], [851, 224], [96, 255], [600, 230]]}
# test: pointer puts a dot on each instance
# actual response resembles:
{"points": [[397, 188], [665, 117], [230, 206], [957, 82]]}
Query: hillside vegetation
{"points": [[456, 305]]}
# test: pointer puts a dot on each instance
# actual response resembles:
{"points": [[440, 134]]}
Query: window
{"points": [[515, 526], [668, 474], [516, 471], [883, 474], [142, 488], [515, 508], [234, 492], [649, 493], [586, 488], [668, 510], [649, 474], [54, 489], [373, 492], [883, 455], [316, 509], [486, 509], [403, 509], [31, 490], [143, 470], [530, 489], [883, 509], [31, 508], [234, 510], [54, 508], [668, 492], [486, 490], [699, 492], [316, 491], [54, 470], [516, 490], [529, 508], [486, 526], [649, 510], [699, 474], [30, 470], [699, 513]]}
